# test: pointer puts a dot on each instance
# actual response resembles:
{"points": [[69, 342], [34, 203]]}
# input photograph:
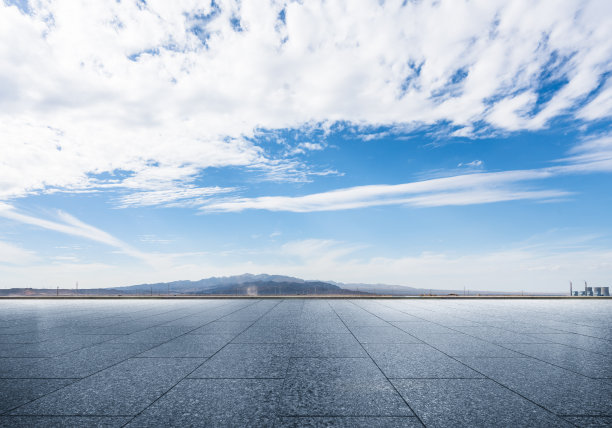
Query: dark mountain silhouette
{"points": [[255, 285]]}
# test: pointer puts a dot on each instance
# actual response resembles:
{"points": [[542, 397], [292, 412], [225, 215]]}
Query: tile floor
{"points": [[301, 362]]}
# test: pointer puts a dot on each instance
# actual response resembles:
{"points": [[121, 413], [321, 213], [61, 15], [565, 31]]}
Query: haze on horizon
{"points": [[440, 144]]}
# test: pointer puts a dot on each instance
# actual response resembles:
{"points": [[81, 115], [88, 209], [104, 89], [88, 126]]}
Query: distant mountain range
{"points": [[253, 285]]}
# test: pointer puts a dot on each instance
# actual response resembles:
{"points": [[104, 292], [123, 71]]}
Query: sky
{"points": [[439, 144]]}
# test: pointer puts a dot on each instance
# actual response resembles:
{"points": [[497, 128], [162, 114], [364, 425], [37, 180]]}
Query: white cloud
{"points": [[476, 188], [72, 226], [302, 148], [544, 266], [593, 154], [601, 106], [122, 94], [474, 164], [181, 195], [15, 255], [539, 264]]}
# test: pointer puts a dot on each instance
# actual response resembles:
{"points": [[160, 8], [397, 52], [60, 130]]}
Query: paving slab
{"points": [[416, 360], [199, 345], [125, 389], [349, 422], [339, 387], [321, 326], [593, 344], [463, 345], [214, 402], [223, 327], [421, 328], [590, 421], [556, 389], [153, 335], [15, 392], [384, 334], [83, 362], [472, 403], [259, 334], [498, 335], [56, 347], [578, 360], [247, 360], [17, 367], [327, 345], [62, 421]]}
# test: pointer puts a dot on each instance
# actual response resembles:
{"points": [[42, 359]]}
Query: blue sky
{"points": [[346, 141]]}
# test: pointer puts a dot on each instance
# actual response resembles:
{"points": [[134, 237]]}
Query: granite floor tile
{"points": [[84, 362], [190, 322], [472, 403], [153, 335], [350, 422], [55, 347], [223, 327], [587, 343], [578, 360], [363, 321], [497, 335], [195, 345], [416, 360], [125, 389], [558, 390], [247, 360], [214, 403], [339, 387], [330, 327], [62, 421], [15, 392], [464, 345], [7, 350], [386, 334], [418, 329], [327, 345], [266, 335], [17, 367], [590, 421]]}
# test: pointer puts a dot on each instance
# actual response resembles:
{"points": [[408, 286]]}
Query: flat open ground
{"points": [[250, 362]]}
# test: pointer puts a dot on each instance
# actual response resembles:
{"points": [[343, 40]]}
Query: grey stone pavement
{"points": [[305, 362]]}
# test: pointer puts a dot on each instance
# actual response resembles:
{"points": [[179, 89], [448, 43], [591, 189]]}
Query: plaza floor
{"points": [[304, 362]]}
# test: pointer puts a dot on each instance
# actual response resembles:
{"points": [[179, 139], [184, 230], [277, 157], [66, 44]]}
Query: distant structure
{"points": [[591, 291]]}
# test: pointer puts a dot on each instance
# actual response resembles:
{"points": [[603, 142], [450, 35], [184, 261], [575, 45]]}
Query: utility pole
{"points": [[571, 288]]}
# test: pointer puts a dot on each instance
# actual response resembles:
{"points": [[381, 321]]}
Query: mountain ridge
{"points": [[258, 284]]}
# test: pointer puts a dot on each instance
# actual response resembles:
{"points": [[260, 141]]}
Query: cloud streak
{"points": [[458, 190], [72, 226], [589, 156]]}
